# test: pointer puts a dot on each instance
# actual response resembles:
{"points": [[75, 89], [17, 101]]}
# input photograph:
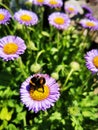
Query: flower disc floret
{"points": [[26, 17], [5, 16], [92, 60], [39, 94], [11, 47], [59, 20], [54, 3], [38, 99], [91, 24]]}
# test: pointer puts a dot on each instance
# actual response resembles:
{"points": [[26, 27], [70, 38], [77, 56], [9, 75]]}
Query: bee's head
{"points": [[34, 79]]}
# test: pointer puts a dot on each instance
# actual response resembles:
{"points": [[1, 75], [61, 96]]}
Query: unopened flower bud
{"points": [[35, 68], [75, 65], [55, 75]]}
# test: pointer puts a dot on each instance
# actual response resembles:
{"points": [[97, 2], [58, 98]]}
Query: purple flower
{"points": [[11, 47], [4, 16], [38, 2], [91, 24], [26, 17], [76, 4], [90, 16], [39, 99], [59, 20], [92, 60], [71, 9], [87, 8], [54, 3]]}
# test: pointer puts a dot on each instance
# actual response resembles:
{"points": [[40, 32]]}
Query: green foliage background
{"points": [[53, 52]]}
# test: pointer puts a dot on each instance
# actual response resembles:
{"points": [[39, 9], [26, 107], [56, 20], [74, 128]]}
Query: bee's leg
{"points": [[34, 88]]}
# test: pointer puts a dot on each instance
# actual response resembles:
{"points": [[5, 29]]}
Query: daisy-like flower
{"points": [[87, 9], [38, 98], [26, 17], [4, 16], [90, 16], [92, 60], [59, 20], [71, 9], [54, 3], [38, 2], [91, 24], [76, 4], [11, 47]]}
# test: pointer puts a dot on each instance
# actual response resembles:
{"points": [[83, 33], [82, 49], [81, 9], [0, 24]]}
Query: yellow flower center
{"points": [[40, 1], [26, 18], [1, 17], [71, 9], [95, 61], [10, 48], [59, 20], [39, 94], [90, 24], [53, 2]]}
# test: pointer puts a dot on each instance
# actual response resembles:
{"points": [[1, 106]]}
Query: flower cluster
{"points": [[40, 91]]}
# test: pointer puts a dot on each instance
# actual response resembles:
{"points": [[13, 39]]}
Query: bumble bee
{"points": [[37, 82]]}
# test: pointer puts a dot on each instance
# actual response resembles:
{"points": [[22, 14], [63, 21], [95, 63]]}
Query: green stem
{"points": [[9, 30], [51, 33], [41, 9], [64, 86], [38, 55], [58, 39], [24, 122], [22, 67]]}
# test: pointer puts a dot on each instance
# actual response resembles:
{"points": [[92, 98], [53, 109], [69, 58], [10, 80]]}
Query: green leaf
{"points": [[11, 103], [5, 78], [55, 116], [86, 113], [32, 46], [4, 125], [4, 112], [18, 108], [92, 115], [20, 116], [1, 127], [12, 127], [45, 34]]}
